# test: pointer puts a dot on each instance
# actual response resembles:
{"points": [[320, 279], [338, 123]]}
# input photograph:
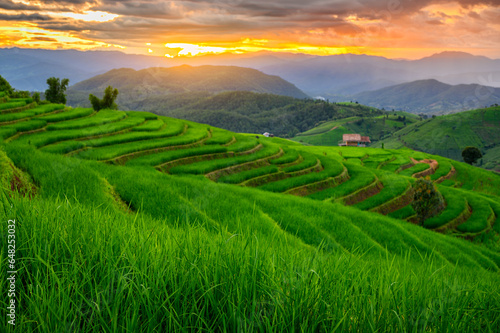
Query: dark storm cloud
{"points": [[24, 17], [9, 5]]}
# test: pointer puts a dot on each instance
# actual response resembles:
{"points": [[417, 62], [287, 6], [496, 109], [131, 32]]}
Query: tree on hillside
{"points": [[427, 200], [107, 102], [5, 86], [471, 155], [56, 91]]}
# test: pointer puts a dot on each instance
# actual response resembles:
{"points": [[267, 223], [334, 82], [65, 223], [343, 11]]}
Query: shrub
{"points": [[427, 200]]}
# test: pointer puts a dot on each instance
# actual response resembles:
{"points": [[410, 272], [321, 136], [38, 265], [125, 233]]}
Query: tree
{"points": [[57, 88], [36, 97], [471, 155], [107, 102], [427, 200], [5, 86]]}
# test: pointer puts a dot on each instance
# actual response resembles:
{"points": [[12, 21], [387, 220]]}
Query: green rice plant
{"points": [[374, 161], [249, 174], [25, 126], [456, 204], [219, 137], [100, 118], [414, 169], [331, 167], [143, 115], [359, 178], [6, 132], [46, 108], [150, 126], [67, 115], [172, 155], [64, 147], [59, 176], [394, 186], [205, 167], [109, 152], [397, 163], [45, 138], [172, 129], [243, 143], [11, 105], [15, 116], [309, 161], [30, 113], [228, 278], [443, 169], [478, 221], [289, 157], [403, 213]]}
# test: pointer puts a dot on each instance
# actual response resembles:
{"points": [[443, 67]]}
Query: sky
{"points": [[408, 29]]}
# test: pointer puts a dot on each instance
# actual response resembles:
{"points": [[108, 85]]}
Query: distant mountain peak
{"points": [[454, 55]]}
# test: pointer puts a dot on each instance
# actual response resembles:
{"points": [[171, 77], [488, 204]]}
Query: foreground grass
{"points": [[88, 269]]}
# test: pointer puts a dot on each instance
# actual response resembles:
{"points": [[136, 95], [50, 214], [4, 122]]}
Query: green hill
{"points": [[449, 135], [253, 103], [131, 221], [376, 126], [160, 81], [431, 97]]}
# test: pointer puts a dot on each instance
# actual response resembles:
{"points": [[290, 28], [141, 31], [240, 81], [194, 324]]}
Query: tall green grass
{"points": [[478, 221], [394, 186], [67, 115], [414, 169], [88, 270], [39, 110], [100, 118], [172, 129], [249, 174], [332, 168], [289, 156], [151, 125], [11, 105], [105, 153], [45, 138], [172, 155], [309, 160], [204, 167], [359, 178]]}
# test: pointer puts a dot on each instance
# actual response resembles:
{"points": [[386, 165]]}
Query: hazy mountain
{"points": [[336, 77], [29, 69], [448, 135], [431, 97], [157, 81], [351, 74]]}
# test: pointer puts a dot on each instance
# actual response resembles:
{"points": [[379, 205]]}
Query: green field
{"points": [[202, 229]]}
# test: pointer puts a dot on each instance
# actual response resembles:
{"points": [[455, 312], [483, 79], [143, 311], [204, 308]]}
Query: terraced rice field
{"points": [[374, 180]]}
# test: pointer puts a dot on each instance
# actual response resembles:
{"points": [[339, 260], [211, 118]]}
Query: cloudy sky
{"points": [[391, 28]]}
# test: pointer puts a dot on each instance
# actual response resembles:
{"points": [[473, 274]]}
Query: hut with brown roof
{"points": [[354, 140]]}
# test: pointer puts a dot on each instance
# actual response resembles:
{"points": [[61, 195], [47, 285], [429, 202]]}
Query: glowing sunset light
{"points": [[394, 29], [87, 16], [193, 49]]}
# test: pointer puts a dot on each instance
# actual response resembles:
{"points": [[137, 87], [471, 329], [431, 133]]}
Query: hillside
{"points": [[377, 127], [431, 97], [158, 81], [449, 135], [249, 112], [132, 221]]}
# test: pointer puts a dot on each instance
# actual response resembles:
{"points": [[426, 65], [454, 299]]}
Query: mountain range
{"points": [[327, 76], [431, 97]]}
